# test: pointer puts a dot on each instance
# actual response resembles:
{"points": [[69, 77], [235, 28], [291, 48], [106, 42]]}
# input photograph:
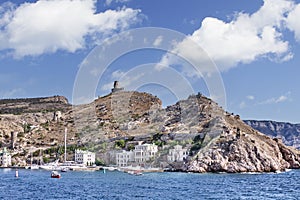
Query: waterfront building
{"points": [[5, 158], [177, 154], [144, 152], [85, 157], [124, 158]]}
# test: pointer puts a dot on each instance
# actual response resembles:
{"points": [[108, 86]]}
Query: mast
{"points": [[66, 144]]}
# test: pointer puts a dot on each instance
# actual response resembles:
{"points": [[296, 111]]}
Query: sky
{"points": [[243, 54]]}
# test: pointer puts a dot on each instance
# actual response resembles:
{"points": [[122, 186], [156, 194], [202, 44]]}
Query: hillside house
{"points": [[85, 157], [177, 154], [5, 158]]}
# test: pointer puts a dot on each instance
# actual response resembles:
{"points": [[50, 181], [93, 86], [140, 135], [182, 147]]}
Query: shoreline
{"points": [[143, 170]]}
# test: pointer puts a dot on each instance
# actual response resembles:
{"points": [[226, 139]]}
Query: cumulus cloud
{"points": [[293, 23], [275, 100], [48, 26], [250, 97], [244, 39], [158, 41]]}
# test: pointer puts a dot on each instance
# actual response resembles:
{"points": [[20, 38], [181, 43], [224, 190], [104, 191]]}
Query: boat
{"points": [[17, 173], [64, 169], [135, 172], [55, 174], [34, 167]]}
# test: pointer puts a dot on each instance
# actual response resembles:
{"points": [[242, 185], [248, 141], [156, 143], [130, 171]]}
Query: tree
{"points": [[120, 143]]}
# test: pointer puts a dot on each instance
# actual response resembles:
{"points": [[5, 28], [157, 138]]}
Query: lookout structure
{"points": [[116, 87]]}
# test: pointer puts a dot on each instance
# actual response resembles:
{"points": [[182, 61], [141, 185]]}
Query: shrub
{"points": [[120, 143]]}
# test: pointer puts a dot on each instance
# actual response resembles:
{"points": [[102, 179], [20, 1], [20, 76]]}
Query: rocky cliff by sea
{"points": [[217, 141]]}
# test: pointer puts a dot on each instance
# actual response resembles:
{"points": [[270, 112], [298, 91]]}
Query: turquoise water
{"points": [[37, 184]]}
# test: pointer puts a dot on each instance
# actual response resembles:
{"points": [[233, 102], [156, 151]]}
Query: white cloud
{"points": [[281, 99], [108, 2], [244, 39], [48, 26], [250, 97], [158, 41], [275, 100], [118, 74], [242, 105], [124, 79], [292, 21]]}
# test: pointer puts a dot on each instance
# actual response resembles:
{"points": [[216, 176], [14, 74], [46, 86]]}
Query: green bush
{"points": [[120, 143], [99, 162], [46, 160]]}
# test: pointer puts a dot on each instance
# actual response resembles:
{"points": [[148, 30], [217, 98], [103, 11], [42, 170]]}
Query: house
{"points": [[144, 152], [177, 154], [84, 157], [124, 158], [5, 158], [141, 154]]}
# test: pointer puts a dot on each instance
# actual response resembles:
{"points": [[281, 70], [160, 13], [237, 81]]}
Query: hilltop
{"points": [[217, 140]]}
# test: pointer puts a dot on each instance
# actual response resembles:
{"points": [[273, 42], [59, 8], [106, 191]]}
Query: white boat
{"points": [[50, 166], [64, 169], [34, 167], [55, 174], [135, 172]]}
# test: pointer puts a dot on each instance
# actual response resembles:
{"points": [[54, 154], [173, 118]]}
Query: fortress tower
{"points": [[116, 87]]}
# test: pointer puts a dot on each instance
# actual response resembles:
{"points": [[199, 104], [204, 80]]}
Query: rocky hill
{"points": [[32, 105], [217, 141], [290, 133]]}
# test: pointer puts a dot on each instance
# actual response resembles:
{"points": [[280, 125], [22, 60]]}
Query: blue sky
{"points": [[254, 44]]}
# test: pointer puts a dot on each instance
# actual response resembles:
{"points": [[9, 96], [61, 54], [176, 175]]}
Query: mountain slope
{"points": [[290, 133], [217, 141]]}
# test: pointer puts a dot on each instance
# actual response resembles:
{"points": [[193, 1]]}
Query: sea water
{"points": [[37, 184]]}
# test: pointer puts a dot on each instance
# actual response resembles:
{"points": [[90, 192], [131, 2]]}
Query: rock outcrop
{"points": [[32, 105], [241, 150]]}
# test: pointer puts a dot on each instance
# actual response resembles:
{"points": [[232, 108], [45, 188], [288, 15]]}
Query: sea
{"points": [[37, 184]]}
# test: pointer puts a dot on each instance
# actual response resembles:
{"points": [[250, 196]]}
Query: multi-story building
{"points": [[177, 154], [144, 152], [124, 158], [141, 154], [5, 158], [84, 157]]}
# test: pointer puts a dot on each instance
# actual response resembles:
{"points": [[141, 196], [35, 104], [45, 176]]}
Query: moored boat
{"points": [[135, 172], [55, 174], [64, 169]]}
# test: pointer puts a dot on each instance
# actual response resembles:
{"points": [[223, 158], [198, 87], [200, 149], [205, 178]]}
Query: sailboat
{"points": [[31, 165]]}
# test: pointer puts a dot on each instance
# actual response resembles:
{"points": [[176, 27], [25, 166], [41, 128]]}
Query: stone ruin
{"points": [[116, 87], [57, 116]]}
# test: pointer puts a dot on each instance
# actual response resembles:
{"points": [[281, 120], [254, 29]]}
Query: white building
{"points": [[84, 157], [5, 158], [177, 154], [124, 158], [144, 152]]}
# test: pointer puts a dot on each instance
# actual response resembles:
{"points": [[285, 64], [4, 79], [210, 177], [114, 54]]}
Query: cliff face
{"points": [[241, 149], [290, 133], [217, 141], [32, 105]]}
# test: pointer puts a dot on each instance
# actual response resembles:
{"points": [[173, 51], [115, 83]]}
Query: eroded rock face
{"points": [[33, 105], [240, 151]]}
